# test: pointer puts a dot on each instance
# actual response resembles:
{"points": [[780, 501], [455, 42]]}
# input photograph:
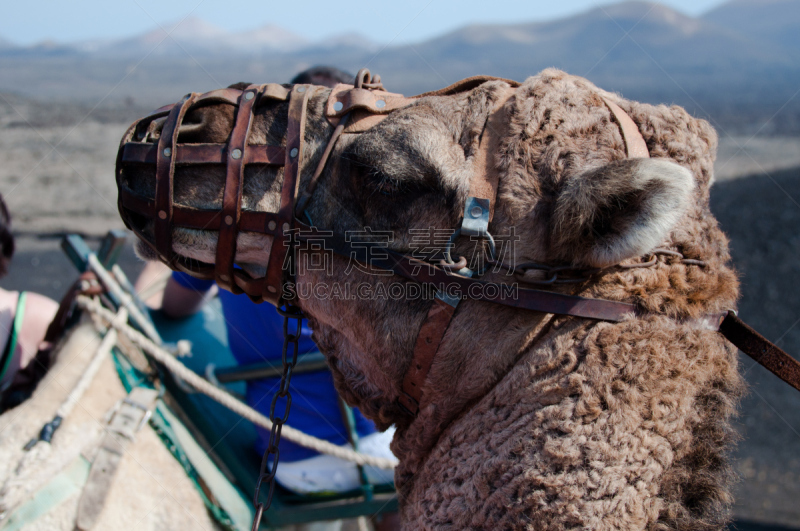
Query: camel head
{"points": [[567, 196]]}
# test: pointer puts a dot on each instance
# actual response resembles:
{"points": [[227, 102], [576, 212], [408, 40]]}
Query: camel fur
{"points": [[528, 420]]}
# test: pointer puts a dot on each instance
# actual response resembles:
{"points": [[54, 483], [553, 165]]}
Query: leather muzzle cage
{"points": [[365, 99], [350, 108], [235, 155]]}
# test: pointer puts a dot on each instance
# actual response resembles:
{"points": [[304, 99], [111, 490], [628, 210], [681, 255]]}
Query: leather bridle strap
{"points": [[375, 254], [232, 196], [430, 336], [165, 171], [295, 133], [728, 324], [761, 349], [478, 212], [635, 146], [485, 177]]}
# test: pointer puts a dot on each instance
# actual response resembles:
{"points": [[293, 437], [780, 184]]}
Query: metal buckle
{"points": [[476, 217], [116, 409], [401, 401]]}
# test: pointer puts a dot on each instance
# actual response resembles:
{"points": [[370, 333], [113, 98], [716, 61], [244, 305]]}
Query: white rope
{"points": [[125, 300], [225, 398], [109, 340]]}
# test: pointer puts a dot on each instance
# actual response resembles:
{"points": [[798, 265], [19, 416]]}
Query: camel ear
{"points": [[618, 211]]}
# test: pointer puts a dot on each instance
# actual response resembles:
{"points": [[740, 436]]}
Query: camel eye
{"points": [[385, 184]]}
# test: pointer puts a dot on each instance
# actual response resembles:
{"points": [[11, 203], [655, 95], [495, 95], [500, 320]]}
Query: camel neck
{"points": [[460, 378]]}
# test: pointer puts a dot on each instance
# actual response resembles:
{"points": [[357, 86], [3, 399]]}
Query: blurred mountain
{"points": [[775, 21], [631, 44], [737, 64], [197, 37]]}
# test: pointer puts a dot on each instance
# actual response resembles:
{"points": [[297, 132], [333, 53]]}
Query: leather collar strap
{"points": [[761, 349]]}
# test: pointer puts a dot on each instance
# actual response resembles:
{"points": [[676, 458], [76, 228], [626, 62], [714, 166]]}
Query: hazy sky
{"points": [[26, 22]]}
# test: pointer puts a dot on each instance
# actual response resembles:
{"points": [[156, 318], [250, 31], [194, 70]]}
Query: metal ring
{"points": [[461, 264], [690, 261], [521, 277], [452, 241], [652, 262]]}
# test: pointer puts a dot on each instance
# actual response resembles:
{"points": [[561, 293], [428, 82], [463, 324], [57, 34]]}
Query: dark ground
{"points": [[761, 215]]}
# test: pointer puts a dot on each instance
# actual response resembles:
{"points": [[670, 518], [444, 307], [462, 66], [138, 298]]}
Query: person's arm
{"points": [[151, 282], [39, 312], [180, 301], [181, 295]]}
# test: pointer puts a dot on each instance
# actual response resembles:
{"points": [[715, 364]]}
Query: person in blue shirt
{"points": [[255, 335]]}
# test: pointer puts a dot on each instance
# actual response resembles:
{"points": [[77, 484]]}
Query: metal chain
{"points": [[289, 360]]}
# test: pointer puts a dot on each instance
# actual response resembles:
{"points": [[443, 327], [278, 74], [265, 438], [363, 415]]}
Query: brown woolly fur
{"points": [[527, 421], [595, 428]]}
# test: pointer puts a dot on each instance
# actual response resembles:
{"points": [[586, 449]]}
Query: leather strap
{"points": [[127, 418], [375, 254], [232, 195], [295, 135], [165, 172], [203, 154], [761, 349], [429, 338], [485, 177], [635, 146], [466, 85], [478, 212], [345, 98]]}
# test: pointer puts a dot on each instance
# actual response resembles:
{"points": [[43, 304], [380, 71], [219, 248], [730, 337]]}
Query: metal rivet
{"points": [[272, 225], [338, 106], [380, 104], [224, 278], [301, 89], [162, 214], [237, 154], [249, 95], [285, 227], [272, 289], [476, 211], [167, 152], [229, 220], [293, 152]]}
